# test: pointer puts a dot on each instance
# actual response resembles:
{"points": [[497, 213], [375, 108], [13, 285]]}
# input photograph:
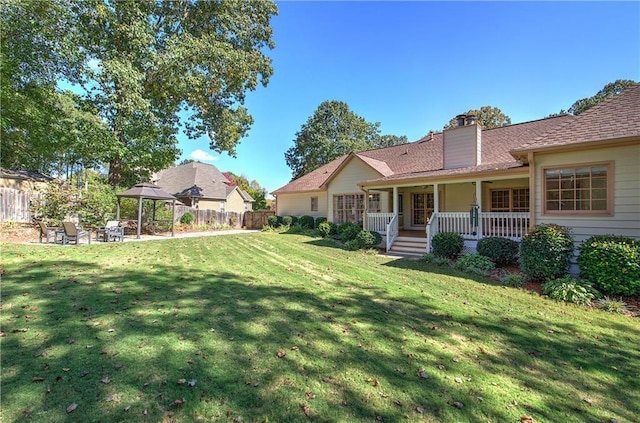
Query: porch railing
{"points": [[504, 225], [378, 221], [392, 231]]}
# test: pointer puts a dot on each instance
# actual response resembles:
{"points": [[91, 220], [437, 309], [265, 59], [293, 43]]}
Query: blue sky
{"points": [[412, 66]]}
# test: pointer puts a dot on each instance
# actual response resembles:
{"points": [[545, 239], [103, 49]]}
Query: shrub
{"points": [[280, 221], [326, 229], [369, 239], [569, 290], [353, 244], [296, 229], [611, 263], [319, 220], [545, 252], [501, 251], [347, 231], [272, 221], [287, 220], [612, 306], [514, 280], [306, 222], [475, 263], [442, 261], [447, 244], [186, 219]]}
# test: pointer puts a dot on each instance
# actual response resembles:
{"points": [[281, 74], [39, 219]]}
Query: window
{"points": [[583, 189], [374, 203], [510, 200], [314, 204], [422, 208]]}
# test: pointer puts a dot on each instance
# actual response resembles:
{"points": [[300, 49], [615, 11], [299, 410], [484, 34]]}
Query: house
{"points": [[581, 171], [203, 186]]}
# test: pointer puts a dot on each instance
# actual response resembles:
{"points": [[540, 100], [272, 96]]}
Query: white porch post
{"points": [[436, 199], [479, 201], [365, 217], [396, 207]]}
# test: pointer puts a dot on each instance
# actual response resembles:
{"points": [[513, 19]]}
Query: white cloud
{"points": [[203, 156]]}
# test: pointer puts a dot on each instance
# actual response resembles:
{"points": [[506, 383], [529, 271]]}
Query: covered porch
{"points": [[472, 208]]}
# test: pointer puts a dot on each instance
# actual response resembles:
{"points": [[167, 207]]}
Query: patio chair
{"points": [[72, 233], [47, 232], [112, 231]]}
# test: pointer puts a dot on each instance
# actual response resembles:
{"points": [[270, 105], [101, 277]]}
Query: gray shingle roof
{"points": [[212, 183], [424, 157], [615, 118]]}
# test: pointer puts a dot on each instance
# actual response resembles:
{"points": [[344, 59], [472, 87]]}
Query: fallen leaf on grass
{"points": [[281, 353], [37, 379], [458, 404], [20, 330], [397, 402], [420, 410], [181, 381], [422, 373], [588, 401], [65, 369], [527, 419], [306, 410], [192, 382], [179, 402], [84, 373], [105, 380], [72, 407]]}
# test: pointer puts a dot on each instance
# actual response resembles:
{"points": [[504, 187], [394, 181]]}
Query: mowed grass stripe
{"points": [[271, 326]]}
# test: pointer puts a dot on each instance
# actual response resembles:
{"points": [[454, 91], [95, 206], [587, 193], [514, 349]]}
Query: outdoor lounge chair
{"points": [[47, 232], [72, 233], [112, 231]]}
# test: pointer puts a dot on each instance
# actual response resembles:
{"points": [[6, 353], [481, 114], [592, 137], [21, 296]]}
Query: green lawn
{"points": [[288, 328]]}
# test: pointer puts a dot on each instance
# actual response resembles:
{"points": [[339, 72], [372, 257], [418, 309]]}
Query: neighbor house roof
{"points": [[614, 119], [24, 175], [424, 158], [212, 183]]}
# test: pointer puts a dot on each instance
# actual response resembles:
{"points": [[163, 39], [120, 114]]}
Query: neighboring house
{"points": [[17, 190], [203, 186], [582, 172]]}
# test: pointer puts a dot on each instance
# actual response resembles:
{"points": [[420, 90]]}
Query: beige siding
{"points": [[209, 205], [299, 204], [235, 202], [625, 219], [346, 182], [462, 146], [457, 197]]}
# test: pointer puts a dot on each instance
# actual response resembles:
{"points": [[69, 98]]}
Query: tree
{"points": [[611, 89], [140, 64], [39, 124], [488, 117], [333, 130]]}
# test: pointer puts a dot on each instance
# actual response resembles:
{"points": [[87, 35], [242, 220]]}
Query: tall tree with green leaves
{"points": [[332, 131], [39, 124], [142, 67], [159, 58], [487, 116]]}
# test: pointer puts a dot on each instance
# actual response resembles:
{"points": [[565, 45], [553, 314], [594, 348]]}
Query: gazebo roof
{"points": [[149, 191]]}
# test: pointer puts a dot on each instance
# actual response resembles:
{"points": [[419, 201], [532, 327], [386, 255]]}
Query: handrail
{"points": [[431, 229], [392, 231]]}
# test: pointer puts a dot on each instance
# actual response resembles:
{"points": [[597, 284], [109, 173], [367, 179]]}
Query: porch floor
{"points": [[412, 234]]}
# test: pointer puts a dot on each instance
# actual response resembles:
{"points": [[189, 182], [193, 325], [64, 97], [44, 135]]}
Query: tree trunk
{"points": [[115, 171]]}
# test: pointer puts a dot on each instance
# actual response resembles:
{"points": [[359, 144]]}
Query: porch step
{"points": [[409, 246]]}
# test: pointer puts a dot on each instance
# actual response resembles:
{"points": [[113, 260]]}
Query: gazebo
{"points": [[148, 192]]}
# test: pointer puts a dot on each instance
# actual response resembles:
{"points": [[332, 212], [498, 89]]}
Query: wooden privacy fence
{"points": [[14, 205], [210, 217], [257, 219]]}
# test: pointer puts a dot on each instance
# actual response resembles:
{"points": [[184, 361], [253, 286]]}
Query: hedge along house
{"points": [[576, 171], [203, 186]]}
